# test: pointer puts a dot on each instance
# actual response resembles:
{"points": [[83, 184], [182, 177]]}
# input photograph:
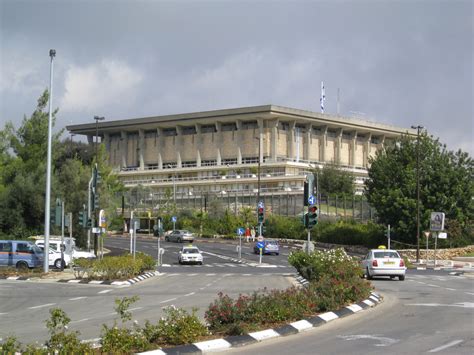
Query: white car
{"points": [[55, 259], [190, 255], [384, 262], [68, 249]]}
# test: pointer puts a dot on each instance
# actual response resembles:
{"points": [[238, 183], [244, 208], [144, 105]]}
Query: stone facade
{"points": [[221, 151]]}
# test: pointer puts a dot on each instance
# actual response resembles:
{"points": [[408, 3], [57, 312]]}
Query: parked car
{"points": [[190, 255], [55, 259], [69, 248], [180, 236], [270, 247], [20, 254], [384, 262]]}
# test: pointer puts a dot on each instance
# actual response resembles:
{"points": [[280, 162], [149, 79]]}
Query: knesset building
{"points": [[218, 152]]}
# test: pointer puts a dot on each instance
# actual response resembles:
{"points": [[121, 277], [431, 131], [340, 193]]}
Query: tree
{"points": [[23, 172], [446, 185], [332, 179]]}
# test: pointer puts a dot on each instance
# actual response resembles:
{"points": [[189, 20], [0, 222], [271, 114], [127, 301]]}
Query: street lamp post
{"points": [[258, 180], [96, 212], [418, 129], [52, 54]]}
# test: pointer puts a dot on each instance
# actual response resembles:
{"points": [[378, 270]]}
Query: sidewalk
{"points": [[465, 264]]}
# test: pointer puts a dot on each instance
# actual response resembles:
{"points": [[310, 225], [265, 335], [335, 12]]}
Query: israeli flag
{"points": [[323, 97]]}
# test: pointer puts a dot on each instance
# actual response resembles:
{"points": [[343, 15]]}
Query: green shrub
{"points": [[284, 227], [369, 235], [10, 346], [179, 327], [147, 261]]}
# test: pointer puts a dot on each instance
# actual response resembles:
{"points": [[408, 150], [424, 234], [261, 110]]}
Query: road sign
{"points": [[260, 238], [260, 245], [240, 231], [102, 219], [443, 235], [437, 221], [174, 219], [260, 204], [311, 200]]}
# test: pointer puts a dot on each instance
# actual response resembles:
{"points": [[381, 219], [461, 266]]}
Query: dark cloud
{"points": [[397, 62]]}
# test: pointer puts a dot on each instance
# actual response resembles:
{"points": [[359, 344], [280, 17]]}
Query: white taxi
{"points": [[190, 255], [384, 262]]}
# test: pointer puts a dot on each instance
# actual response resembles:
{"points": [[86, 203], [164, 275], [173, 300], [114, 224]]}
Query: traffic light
{"points": [[96, 201], [312, 216], [308, 189], [52, 216], [89, 223], [260, 214], [56, 214], [83, 219]]}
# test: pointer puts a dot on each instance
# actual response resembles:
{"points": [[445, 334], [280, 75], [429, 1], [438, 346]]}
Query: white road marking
{"points": [[211, 274], [443, 347], [432, 285], [469, 293], [43, 305], [105, 291], [189, 294], [450, 289], [135, 309], [2, 314], [460, 304], [77, 298], [80, 320], [383, 341], [169, 300]]}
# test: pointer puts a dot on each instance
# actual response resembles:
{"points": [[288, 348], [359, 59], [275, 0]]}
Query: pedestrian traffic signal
{"points": [[260, 215], [81, 218], [312, 216]]}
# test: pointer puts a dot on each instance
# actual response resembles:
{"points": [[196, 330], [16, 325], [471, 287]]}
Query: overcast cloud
{"points": [[397, 62]]}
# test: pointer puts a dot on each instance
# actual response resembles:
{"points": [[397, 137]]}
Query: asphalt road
{"points": [[25, 305], [429, 312]]}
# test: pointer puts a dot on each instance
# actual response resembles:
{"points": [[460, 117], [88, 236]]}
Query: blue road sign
{"points": [[260, 245], [260, 204], [311, 200], [240, 231], [174, 219]]}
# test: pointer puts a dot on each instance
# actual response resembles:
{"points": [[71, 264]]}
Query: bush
{"points": [[147, 261], [284, 227], [369, 235], [10, 346], [179, 327]]}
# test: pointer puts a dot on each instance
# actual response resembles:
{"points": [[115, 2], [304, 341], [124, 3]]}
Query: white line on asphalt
{"points": [[450, 289], [43, 305], [443, 347], [469, 293], [432, 285], [105, 291], [80, 320], [77, 298], [209, 284], [2, 314], [210, 274], [169, 300], [190, 294], [135, 309]]}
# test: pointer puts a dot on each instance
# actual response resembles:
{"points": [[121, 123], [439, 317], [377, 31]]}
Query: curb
{"points": [[255, 337], [92, 282]]}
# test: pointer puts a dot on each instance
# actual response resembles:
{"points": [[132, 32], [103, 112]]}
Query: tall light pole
{"points": [[96, 173], [418, 129], [260, 227], [52, 54]]}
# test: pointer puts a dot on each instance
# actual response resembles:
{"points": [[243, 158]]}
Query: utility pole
{"points": [[418, 128]]}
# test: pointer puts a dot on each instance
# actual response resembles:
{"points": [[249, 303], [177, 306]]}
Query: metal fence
{"points": [[290, 204]]}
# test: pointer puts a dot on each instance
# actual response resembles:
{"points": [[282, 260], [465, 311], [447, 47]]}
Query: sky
{"points": [[401, 63]]}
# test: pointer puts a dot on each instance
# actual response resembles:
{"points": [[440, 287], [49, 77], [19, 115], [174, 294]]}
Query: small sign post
{"points": [[260, 246], [174, 219], [240, 232], [436, 226]]}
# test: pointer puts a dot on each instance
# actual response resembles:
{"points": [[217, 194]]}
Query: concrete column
{"points": [[238, 124], [159, 133], [274, 140], [367, 149], [323, 140], [291, 140], [141, 149], [178, 146], [107, 145], [124, 148], [198, 145], [307, 142], [218, 143], [260, 140], [353, 148], [338, 145], [90, 139]]}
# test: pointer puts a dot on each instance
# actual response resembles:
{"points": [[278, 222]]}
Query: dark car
{"points": [[270, 247]]}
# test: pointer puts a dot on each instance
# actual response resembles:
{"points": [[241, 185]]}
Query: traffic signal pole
{"points": [[89, 209]]}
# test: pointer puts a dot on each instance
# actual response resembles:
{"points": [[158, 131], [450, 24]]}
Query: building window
{"points": [[249, 125], [229, 161], [168, 132], [250, 160], [188, 130], [208, 162], [188, 164], [284, 126], [375, 140], [209, 128], [346, 135], [228, 127], [150, 134], [170, 165]]}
